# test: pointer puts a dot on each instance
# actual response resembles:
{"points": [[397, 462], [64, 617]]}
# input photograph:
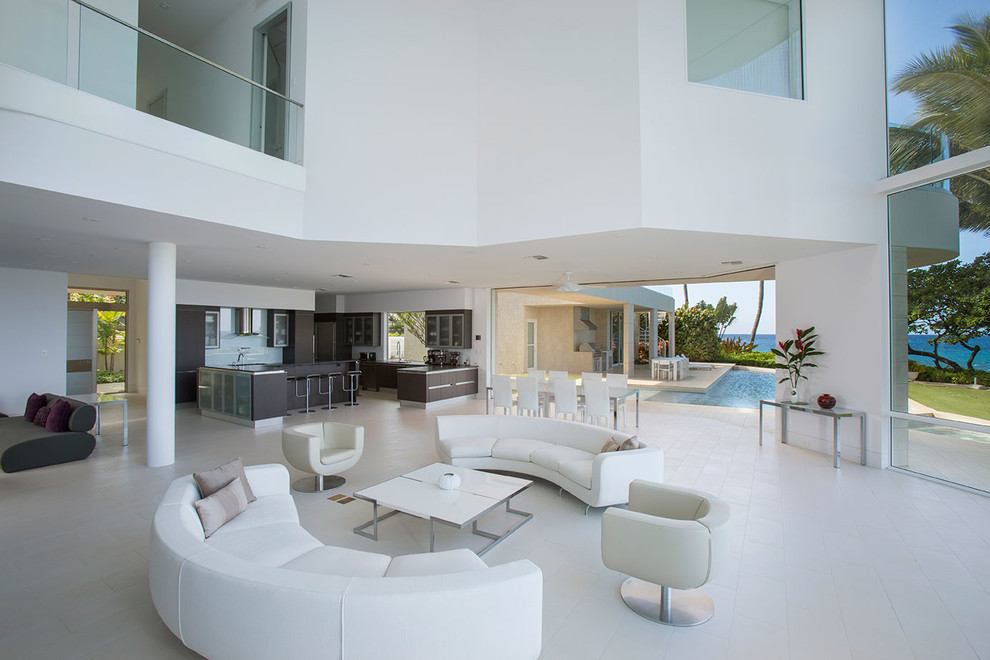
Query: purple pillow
{"points": [[42, 415], [58, 418], [34, 402]]}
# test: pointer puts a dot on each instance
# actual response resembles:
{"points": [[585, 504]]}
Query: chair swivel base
{"points": [[674, 607], [318, 483]]}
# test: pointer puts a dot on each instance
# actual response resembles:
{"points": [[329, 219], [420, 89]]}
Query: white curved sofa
{"points": [[565, 453], [262, 587]]}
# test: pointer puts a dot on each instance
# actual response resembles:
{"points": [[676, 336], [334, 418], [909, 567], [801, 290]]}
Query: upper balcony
{"points": [[105, 53]]}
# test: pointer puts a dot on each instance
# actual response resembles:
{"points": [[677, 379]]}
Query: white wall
{"points": [[558, 118], [845, 296], [781, 167], [32, 335], [392, 111], [222, 294]]}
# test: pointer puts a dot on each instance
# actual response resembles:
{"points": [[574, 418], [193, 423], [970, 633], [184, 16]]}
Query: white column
{"points": [[652, 325], [671, 349], [161, 354], [629, 326]]}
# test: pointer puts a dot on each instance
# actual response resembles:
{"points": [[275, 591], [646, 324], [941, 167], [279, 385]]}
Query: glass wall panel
{"points": [[752, 45], [32, 36], [940, 325], [938, 98]]}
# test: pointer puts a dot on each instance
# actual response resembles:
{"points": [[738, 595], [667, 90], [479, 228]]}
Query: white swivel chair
{"points": [[502, 390], [555, 375], [672, 541], [565, 399], [528, 396], [322, 449], [618, 380], [596, 406]]}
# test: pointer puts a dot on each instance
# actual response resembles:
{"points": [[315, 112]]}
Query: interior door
{"points": [[271, 69], [80, 351], [531, 343]]}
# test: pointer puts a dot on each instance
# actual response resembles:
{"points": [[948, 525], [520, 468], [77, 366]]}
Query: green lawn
{"points": [[956, 400]]}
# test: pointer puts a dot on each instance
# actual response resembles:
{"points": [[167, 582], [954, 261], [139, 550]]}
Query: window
{"points": [[751, 45]]}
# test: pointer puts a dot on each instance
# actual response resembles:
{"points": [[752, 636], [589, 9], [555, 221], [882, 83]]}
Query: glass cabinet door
{"points": [[280, 333], [432, 331], [242, 395], [212, 330], [444, 330], [457, 330]]}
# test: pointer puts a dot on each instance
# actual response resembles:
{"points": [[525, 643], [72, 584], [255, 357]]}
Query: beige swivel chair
{"points": [[672, 541], [322, 449]]}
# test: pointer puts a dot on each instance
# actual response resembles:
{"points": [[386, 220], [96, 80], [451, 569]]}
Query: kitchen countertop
{"points": [[269, 368], [429, 369]]}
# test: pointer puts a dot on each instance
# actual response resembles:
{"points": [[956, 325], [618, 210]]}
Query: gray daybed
{"points": [[25, 445]]}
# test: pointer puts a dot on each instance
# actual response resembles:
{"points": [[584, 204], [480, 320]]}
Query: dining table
{"points": [[545, 389]]}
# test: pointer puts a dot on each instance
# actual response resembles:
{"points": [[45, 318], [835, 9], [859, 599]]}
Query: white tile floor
{"points": [[825, 563]]}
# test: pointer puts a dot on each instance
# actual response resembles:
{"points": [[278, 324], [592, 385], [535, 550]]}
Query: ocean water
{"points": [[956, 353]]}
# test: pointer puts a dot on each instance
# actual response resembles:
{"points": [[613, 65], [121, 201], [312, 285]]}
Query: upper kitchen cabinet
{"points": [[278, 328], [362, 329], [448, 328]]}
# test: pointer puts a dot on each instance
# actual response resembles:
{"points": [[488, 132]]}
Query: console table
{"points": [[835, 413]]}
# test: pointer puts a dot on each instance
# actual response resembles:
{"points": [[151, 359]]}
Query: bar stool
{"points": [[303, 395], [353, 380], [329, 391]]}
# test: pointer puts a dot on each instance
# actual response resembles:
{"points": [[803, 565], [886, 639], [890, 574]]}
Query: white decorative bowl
{"points": [[449, 481]]}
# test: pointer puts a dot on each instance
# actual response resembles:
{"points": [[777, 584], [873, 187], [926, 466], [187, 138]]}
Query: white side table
{"points": [[100, 400], [835, 413]]}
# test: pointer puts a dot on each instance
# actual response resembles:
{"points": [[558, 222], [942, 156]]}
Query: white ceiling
{"points": [[51, 231], [184, 22]]}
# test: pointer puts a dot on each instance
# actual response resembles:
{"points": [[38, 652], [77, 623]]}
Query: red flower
{"points": [[781, 345], [798, 333], [800, 345]]}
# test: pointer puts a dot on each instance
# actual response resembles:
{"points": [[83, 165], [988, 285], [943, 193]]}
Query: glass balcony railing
{"points": [[125, 64], [954, 452]]}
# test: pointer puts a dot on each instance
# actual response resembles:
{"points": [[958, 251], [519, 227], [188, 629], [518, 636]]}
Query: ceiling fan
{"points": [[568, 284]]}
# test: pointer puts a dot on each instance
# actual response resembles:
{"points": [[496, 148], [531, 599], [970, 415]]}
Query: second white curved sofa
{"points": [[565, 453], [262, 587]]}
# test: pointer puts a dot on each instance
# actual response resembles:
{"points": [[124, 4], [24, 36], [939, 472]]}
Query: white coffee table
{"points": [[417, 494]]}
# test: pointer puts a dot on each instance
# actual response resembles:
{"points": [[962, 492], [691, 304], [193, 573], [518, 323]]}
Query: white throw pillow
{"points": [[221, 507]]}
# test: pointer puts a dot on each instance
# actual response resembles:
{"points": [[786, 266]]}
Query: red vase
{"points": [[826, 401]]}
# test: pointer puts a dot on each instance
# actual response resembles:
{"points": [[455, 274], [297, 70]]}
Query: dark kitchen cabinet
{"points": [[448, 329], [191, 326], [301, 340], [362, 329]]}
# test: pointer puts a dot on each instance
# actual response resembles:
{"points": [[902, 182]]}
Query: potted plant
{"points": [[795, 353]]}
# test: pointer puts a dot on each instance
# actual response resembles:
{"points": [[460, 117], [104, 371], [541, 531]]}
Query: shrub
{"points": [[105, 376], [696, 332], [931, 374], [737, 345], [752, 359]]}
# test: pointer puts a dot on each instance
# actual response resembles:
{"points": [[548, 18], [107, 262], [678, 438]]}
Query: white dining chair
{"points": [[590, 376], [556, 375], [618, 380], [537, 373], [565, 397], [528, 396], [596, 406], [502, 387]]}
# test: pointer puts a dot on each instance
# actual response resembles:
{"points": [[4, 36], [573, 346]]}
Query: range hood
{"points": [[584, 316], [243, 323]]}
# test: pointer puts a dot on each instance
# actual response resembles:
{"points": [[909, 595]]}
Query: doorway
{"points": [[616, 340], [270, 112], [104, 346]]}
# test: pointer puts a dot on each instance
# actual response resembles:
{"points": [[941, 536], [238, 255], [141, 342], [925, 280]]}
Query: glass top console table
{"points": [[835, 413]]}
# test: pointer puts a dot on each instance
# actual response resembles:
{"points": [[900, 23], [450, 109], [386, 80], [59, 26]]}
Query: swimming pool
{"points": [[736, 389]]}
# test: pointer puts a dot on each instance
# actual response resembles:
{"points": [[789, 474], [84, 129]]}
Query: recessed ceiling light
{"points": [[538, 257], [164, 5], [89, 219], [261, 247], [731, 263], [343, 277], [187, 261], [620, 235], [41, 238], [451, 282]]}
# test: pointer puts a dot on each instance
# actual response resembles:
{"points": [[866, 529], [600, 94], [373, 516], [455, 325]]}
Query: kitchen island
{"points": [[432, 386], [375, 375], [262, 394]]}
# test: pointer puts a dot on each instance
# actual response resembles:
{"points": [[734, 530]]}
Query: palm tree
{"points": [[952, 88], [759, 312]]}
